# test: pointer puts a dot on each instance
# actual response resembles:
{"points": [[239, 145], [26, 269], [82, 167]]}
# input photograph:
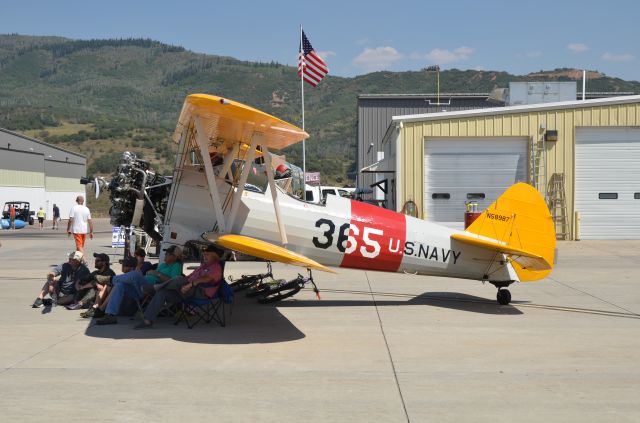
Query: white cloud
{"points": [[577, 47], [533, 54], [326, 54], [379, 58], [617, 57], [441, 56]]}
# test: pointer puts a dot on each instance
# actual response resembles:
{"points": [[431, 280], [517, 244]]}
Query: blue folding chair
{"points": [[195, 310]]}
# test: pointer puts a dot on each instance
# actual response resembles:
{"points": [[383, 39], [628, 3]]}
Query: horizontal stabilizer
{"points": [[526, 259], [264, 250]]}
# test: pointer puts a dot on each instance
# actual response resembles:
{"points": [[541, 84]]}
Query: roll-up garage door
{"points": [[607, 186], [458, 170]]}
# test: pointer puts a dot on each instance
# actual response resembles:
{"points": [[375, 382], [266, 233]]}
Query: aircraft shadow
{"points": [[247, 323], [450, 300]]}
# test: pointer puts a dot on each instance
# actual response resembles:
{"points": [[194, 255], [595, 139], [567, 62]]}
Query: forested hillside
{"points": [[99, 97]]}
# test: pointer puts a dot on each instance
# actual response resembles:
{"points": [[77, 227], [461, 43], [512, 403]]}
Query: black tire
{"points": [[243, 283], [504, 296], [281, 294], [31, 221], [269, 287], [259, 289]]}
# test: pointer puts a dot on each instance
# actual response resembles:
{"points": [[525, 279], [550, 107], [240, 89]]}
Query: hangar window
{"points": [[441, 196], [475, 196], [608, 196], [636, 195]]}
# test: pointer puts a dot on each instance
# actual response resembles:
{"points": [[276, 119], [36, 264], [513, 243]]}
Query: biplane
{"points": [[221, 143]]}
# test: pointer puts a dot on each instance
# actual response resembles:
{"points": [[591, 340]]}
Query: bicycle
{"points": [[247, 281], [286, 289]]}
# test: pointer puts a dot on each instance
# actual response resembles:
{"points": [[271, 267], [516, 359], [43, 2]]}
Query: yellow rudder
{"points": [[520, 218]]}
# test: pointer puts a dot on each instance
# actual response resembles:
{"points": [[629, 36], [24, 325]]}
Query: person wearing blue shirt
{"points": [[132, 283]]}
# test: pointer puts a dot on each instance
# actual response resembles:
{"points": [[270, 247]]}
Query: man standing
{"points": [[12, 216], [79, 222], [56, 217], [62, 289]]}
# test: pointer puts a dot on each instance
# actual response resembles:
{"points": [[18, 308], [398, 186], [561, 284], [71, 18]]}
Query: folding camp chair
{"points": [[195, 310]]}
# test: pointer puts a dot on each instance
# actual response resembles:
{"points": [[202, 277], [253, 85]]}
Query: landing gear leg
{"points": [[504, 296]]}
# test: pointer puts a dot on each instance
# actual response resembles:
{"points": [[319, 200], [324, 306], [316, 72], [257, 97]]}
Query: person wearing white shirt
{"points": [[80, 223]]}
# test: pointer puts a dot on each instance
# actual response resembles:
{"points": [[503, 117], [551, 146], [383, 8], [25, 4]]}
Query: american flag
{"points": [[310, 64]]}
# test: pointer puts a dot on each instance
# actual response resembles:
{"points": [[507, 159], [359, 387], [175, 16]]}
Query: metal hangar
{"points": [[581, 155]]}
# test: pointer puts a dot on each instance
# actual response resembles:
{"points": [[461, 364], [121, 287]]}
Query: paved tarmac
{"points": [[377, 347]]}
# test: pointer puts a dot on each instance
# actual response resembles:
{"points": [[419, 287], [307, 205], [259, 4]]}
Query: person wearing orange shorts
{"points": [[80, 223]]}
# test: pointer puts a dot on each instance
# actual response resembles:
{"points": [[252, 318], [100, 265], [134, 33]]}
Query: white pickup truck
{"points": [[318, 194]]}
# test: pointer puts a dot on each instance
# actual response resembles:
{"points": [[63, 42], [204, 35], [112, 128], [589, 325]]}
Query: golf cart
{"points": [[23, 211]]}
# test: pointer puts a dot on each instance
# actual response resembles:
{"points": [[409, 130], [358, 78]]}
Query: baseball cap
{"points": [[129, 261], [102, 256], [213, 249], [175, 250], [76, 255]]}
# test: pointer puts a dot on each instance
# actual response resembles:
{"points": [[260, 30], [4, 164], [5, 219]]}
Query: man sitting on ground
{"points": [[202, 283], [134, 283], [105, 290], [87, 288], [61, 282]]}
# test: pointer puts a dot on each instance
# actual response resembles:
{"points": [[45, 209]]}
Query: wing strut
{"points": [[203, 143], [256, 137], [228, 161], [274, 194]]}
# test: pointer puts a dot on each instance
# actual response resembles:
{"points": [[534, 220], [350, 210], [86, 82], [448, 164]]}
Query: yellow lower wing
{"points": [[265, 250]]}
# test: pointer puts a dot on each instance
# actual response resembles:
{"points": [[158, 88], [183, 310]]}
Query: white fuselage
{"points": [[342, 233]]}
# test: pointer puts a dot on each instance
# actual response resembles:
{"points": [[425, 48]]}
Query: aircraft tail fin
{"points": [[520, 221]]}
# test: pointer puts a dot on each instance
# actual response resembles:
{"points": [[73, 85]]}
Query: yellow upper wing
{"points": [[264, 250], [226, 122]]}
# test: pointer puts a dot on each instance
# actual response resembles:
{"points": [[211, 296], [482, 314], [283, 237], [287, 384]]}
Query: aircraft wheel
{"points": [[504, 296]]}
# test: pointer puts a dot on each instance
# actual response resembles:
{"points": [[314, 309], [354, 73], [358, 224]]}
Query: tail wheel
{"points": [[504, 296]]}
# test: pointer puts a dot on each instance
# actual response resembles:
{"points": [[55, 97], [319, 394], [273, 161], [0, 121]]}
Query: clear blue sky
{"points": [[358, 37]]}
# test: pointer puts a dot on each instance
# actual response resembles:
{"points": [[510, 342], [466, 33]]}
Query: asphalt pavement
{"points": [[377, 347]]}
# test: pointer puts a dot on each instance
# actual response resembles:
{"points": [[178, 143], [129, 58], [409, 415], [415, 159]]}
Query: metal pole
{"points": [[584, 83], [304, 158], [438, 77]]}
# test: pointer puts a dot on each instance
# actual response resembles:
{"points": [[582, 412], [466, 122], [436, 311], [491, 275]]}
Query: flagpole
{"points": [[304, 158], [438, 74]]}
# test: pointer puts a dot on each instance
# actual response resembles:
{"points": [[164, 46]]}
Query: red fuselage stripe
{"points": [[379, 235]]}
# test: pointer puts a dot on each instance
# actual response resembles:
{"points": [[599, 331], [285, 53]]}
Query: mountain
{"points": [[99, 97]]}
